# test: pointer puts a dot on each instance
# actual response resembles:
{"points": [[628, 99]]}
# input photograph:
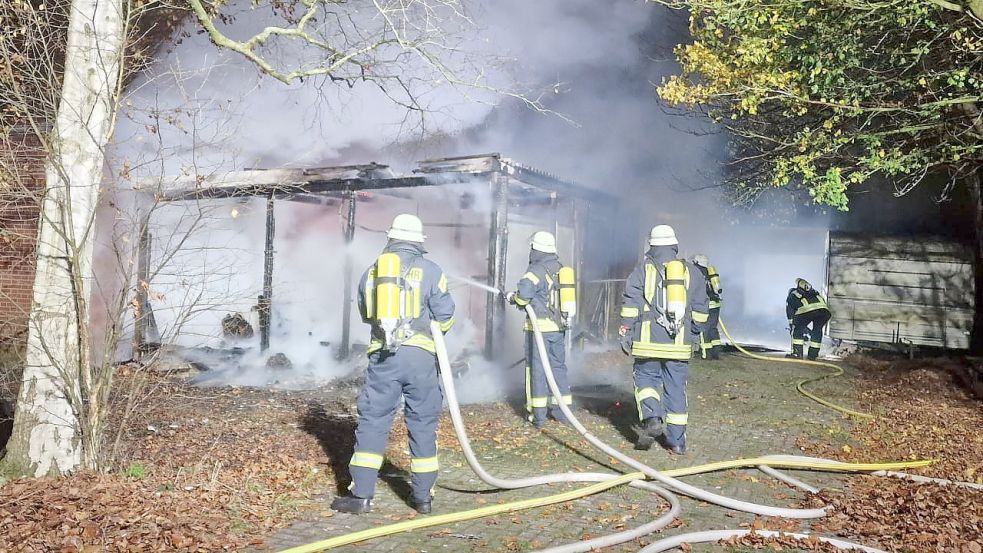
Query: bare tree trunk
{"points": [[976, 343], [58, 408]]}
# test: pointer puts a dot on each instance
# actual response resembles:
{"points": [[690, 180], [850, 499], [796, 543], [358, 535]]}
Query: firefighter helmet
{"points": [[662, 235], [406, 227], [701, 260], [544, 242], [803, 284]]}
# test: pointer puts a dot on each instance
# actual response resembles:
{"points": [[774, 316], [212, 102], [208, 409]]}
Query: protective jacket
{"points": [[539, 286], [802, 301], [425, 296], [642, 307]]}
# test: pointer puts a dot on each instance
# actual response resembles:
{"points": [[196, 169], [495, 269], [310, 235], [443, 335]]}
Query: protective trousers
{"points": [[660, 391], [710, 344], [412, 373], [803, 335], [538, 396]]}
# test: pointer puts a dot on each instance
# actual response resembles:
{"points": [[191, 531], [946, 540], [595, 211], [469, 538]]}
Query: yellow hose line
{"points": [[837, 371], [826, 466], [449, 518], [380, 531]]}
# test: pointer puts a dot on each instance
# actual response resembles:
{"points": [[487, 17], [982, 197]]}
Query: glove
{"points": [[625, 333], [510, 297]]}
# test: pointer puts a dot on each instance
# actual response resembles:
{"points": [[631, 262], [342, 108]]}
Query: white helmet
{"points": [[406, 227], [544, 242], [662, 235], [701, 260]]}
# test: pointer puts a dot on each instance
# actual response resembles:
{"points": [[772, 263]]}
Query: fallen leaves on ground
{"points": [[211, 470], [923, 413]]}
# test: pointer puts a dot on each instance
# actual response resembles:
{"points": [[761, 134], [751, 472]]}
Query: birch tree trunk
{"points": [[54, 430]]}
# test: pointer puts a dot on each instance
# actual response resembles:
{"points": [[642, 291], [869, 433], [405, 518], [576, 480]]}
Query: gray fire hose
{"points": [[671, 483]]}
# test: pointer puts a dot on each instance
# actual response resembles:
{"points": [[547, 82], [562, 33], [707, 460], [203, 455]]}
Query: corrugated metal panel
{"points": [[886, 289]]}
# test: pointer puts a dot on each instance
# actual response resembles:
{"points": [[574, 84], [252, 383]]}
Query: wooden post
{"points": [[497, 252], [266, 299], [143, 282], [344, 349]]}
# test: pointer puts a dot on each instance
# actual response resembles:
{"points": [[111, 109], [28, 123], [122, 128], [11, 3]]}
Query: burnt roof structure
{"points": [[510, 182]]}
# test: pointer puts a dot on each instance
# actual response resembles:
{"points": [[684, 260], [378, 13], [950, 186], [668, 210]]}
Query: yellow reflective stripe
{"points": [[537, 402], [424, 464], [442, 283], [545, 325], [629, 312], [700, 317], [661, 351], [421, 341], [370, 294], [520, 301], [567, 400], [446, 325], [815, 344], [531, 277], [714, 304], [643, 394], [716, 343], [651, 277], [677, 418], [810, 307], [798, 341], [367, 460]]}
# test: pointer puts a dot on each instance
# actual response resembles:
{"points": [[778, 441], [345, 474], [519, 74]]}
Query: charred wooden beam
{"points": [[266, 299], [346, 310], [497, 254]]}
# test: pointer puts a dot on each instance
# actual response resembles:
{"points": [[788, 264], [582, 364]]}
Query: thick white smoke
{"points": [[202, 110]]}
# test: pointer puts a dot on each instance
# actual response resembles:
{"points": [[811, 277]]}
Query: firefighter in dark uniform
{"points": [[664, 298], [709, 338], [807, 314], [399, 296], [541, 286]]}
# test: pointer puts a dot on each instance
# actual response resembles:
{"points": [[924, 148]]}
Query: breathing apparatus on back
{"points": [[669, 298], [394, 308], [562, 284]]}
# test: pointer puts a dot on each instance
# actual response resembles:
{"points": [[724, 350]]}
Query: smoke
{"points": [[200, 110]]}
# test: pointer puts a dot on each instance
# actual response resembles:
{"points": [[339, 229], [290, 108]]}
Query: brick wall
{"points": [[21, 180]]}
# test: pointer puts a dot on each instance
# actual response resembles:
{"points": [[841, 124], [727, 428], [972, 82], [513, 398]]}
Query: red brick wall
{"points": [[21, 180]]}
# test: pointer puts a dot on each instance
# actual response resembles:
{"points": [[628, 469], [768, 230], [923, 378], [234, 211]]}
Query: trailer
{"points": [[911, 291]]}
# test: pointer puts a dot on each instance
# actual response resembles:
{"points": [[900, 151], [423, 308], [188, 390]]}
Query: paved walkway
{"points": [[738, 408]]}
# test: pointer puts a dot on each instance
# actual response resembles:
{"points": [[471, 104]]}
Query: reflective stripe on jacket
{"points": [[425, 295], [803, 301], [639, 309], [539, 286]]}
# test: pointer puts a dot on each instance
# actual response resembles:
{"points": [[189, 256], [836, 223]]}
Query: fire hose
{"points": [[608, 481], [800, 386]]}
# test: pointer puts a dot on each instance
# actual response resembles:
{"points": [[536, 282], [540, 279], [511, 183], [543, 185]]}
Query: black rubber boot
{"points": [[423, 507], [648, 433], [351, 504]]}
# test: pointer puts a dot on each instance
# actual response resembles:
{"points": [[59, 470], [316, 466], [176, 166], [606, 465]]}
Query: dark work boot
{"points": [[715, 353], [423, 507], [648, 433], [351, 504], [679, 449], [813, 354]]}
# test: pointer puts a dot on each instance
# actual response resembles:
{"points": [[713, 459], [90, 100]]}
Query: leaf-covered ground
{"points": [[922, 412], [213, 469], [205, 470]]}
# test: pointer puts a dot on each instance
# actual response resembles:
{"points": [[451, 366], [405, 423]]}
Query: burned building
{"points": [[478, 212]]}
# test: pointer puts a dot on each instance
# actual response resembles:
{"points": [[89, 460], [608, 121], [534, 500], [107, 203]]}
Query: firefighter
{"points": [[549, 287], [709, 338], [399, 296], [664, 298], [805, 308]]}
